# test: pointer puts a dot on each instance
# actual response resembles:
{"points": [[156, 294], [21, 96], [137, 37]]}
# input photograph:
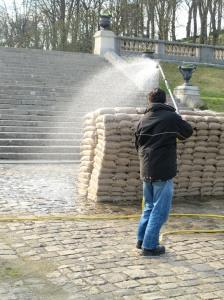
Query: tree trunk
{"points": [[75, 26], [173, 21], [203, 13], [215, 10], [195, 27], [188, 27], [63, 35], [36, 35]]}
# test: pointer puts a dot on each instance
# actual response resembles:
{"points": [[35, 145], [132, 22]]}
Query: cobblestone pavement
{"points": [[44, 189], [64, 260]]}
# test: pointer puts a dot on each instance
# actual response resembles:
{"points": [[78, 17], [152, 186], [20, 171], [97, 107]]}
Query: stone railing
{"points": [[136, 45], [176, 51]]}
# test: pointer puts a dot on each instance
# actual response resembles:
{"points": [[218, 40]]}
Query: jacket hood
{"points": [[159, 106]]}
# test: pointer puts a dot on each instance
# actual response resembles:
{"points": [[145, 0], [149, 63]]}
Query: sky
{"points": [[180, 23]]}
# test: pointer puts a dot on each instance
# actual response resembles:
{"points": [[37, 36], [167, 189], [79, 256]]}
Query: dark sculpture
{"points": [[105, 21], [187, 71]]}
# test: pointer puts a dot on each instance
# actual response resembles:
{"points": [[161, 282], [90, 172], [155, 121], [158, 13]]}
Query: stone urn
{"points": [[105, 22], [186, 71], [188, 94]]}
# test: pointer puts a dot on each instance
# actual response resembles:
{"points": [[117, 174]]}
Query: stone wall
{"points": [[109, 169]]}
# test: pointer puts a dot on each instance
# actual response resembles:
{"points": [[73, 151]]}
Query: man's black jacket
{"points": [[155, 142]]}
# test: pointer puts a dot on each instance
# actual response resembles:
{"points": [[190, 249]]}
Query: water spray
{"points": [[149, 54], [168, 88]]}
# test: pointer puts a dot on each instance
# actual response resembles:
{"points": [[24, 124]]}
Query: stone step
{"points": [[40, 149], [41, 102], [39, 142], [48, 107], [39, 70], [52, 83], [76, 102], [19, 55], [66, 69], [42, 80], [35, 95], [39, 118], [34, 129], [33, 63], [40, 75], [39, 123], [56, 107], [73, 106], [39, 79], [43, 112], [39, 161], [50, 59], [33, 135], [42, 71], [41, 89], [40, 156]]}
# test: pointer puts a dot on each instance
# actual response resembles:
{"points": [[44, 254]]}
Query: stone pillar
{"points": [[105, 40], [159, 49], [205, 54], [189, 95]]}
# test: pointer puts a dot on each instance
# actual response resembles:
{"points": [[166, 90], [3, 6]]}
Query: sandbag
{"points": [[109, 157]]}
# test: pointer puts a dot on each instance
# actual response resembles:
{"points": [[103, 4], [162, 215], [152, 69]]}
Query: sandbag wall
{"points": [[109, 169]]}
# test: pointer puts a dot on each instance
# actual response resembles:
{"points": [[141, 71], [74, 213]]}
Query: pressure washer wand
{"points": [[168, 88]]}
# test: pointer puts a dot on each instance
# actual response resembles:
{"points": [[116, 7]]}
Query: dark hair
{"points": [[157, 96]]}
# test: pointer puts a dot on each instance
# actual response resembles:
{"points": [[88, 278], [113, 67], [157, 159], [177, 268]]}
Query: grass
{"points": [[9, 272], [208, 79]]}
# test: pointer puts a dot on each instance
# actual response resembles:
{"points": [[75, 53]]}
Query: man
{"points": [[156, 145]]}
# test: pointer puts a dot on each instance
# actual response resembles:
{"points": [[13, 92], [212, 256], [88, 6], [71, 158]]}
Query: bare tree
{"points": [[190, 11], [17, 24], [71, 24], [59, 14], [150, 6], [203, 13], [163, 18], [192, 16], [215, 9]]}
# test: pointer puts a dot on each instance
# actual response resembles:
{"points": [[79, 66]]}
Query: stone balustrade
{"points": [[176, 51], [219, 54], [180, 50], [135, 44]]}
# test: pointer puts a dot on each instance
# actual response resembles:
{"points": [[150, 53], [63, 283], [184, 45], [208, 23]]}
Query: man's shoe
{"points": [[139, 245], [154, 252]]}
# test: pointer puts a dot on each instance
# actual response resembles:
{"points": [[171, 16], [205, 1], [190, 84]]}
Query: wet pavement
{"points": [[47, 188], [68, 260]]}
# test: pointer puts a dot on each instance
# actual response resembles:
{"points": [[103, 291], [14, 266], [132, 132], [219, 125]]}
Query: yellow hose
{"points": [[98, 217], [62, 217]]}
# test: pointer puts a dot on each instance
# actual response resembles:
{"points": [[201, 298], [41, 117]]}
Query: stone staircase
{"points": [[41, 106]]}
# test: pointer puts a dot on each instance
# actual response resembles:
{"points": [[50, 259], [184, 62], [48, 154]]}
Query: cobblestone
{"points": [[68, 260]]}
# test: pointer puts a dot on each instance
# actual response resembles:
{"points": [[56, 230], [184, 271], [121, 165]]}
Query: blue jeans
{"points": [[157, 203]]}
